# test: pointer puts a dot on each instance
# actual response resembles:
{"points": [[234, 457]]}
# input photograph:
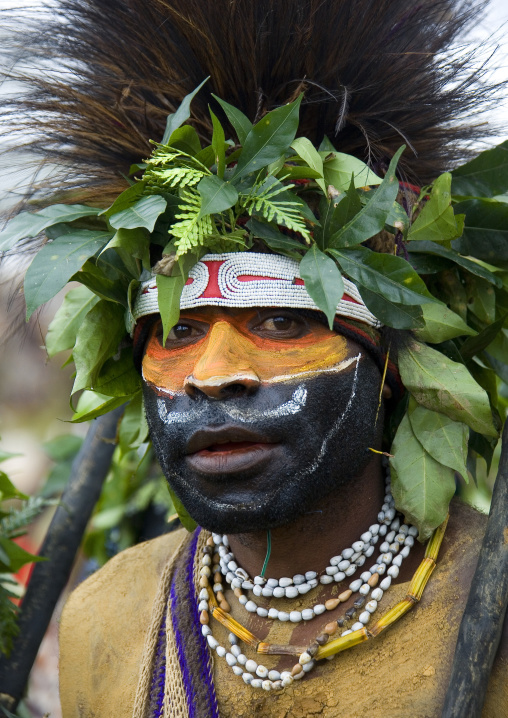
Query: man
{"points": [[263, 420], [271, 385]]}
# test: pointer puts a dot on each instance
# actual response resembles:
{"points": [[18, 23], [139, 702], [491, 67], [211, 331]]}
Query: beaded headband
{"points": [[247, 279]]}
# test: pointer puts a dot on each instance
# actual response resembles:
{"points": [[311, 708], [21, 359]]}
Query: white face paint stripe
{"points": [[293, 406]]}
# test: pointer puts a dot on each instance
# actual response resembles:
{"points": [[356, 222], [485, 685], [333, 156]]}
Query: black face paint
{"points": [[299, 442]]}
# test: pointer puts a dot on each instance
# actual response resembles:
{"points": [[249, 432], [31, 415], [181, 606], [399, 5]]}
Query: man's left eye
{"points": [[278, 324]]}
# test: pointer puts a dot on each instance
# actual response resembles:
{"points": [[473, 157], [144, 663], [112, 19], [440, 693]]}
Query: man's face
{"points": [[256, 414]]}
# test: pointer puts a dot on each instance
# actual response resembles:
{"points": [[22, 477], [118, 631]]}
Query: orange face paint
{"points": [[223, 345]]}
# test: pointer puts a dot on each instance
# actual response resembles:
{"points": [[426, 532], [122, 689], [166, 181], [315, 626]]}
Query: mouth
{"points": [[228, 450]]}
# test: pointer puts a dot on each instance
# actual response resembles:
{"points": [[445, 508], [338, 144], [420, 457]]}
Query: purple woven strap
{"points": [[192, 648]]}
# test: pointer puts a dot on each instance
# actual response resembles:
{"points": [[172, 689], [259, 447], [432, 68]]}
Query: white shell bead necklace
{"points": [[397, 543]]}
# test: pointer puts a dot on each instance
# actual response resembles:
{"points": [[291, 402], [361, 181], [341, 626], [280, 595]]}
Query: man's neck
{"points": [[323, 531]]}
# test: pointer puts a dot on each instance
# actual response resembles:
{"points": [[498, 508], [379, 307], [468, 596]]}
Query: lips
{"points": [[228, 450]]}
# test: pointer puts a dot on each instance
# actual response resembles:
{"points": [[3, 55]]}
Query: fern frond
{"points": [[193, 230], [17, 519], [262, 201]]}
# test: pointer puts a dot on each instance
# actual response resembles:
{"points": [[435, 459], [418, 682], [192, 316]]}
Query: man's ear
{"points": [[387, 392]]}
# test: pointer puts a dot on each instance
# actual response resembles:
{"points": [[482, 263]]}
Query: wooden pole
{"points": [[482, 622], [60, 547]]}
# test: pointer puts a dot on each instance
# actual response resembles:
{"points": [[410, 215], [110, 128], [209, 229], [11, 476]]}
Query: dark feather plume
{"points": [[100, 77]]}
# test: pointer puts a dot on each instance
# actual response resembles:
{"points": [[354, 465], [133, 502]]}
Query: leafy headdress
{"points": [[325, 140]]}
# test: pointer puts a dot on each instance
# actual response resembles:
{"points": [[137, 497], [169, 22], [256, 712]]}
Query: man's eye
{"points": [[278, 324], [181, 331]]}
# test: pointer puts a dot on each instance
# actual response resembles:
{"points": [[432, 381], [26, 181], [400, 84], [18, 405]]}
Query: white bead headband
{"points": [[247, 279]]}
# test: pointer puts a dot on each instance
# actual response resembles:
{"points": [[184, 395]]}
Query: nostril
{"points": [[234, 390]]}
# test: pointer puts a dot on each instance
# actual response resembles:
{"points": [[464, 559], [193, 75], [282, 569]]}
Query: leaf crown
{"points": [[430, 261]]}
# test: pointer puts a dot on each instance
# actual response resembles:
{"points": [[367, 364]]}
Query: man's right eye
{"points": [[180, 334], [181, 331]]}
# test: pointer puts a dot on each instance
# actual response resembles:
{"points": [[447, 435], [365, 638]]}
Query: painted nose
{"points": [[223, 370]]}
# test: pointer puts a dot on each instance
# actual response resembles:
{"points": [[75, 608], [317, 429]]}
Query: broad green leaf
{"points": [[293, 172], [440, 384], [275, 239], [269, 139], [182, 114], [475, 345], [29, 224], [144, 213], [98, 339], [485, 176], [91, 405], [118, 377], [63, 447], [185, 518], [425, 247], [63, 329], [135, 243], [57, 261], [186, 139], [17, 556], [441, 437], [326, 145], [241, 124], [441, 324], [323, 281], [306, 150], [169, 291], [485, 232], [372, 217], [397, 218], [7, 488], [392, 314], [339, 168], [133, 429], [421, 486], [218, 145], [481, 298], [216, 195], [385, 274], [335, 214], [206, 156], [95, 278], [436, 222], [125, 200]]}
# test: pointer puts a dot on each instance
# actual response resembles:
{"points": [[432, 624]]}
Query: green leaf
{"points": [[7, 488], [91, 405], [133, 429], [339, 168], [169, 291], [385, 274], [216, 195], [293, 172], [323, 281], [441, 324], [436, 222], [426, 247], [440, 384], [475, 345], [63, 329], [93, 275], [98, 339], [421, 486], [182, 114], [206, 156], [241, 124], [275, 239], [326, 145], [306, 150], [118, 377], [269, 139], [62, 448], [185, 518], [441, 437], [485, 176], [392, 314], [334, 215], [372, 217], [125, 200], [57, 261], [144, 213], [219, 146], [186, 139], [29, 224], [134, 243], [481, 298], [485, 232], [17, 556]]}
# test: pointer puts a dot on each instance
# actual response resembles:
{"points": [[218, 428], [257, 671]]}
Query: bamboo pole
{"points": [[482, 622], [60, 546]]}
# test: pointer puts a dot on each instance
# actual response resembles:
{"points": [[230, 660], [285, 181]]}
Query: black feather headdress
{"points": [[99, 78]]}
